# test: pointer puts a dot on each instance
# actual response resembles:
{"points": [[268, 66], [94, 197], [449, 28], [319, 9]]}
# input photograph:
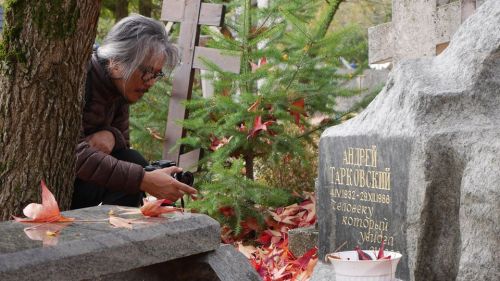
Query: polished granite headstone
{"points": [[362, 191], [88, 250], [431, 141]]}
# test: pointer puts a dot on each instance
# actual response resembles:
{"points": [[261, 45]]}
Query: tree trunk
{"points": [[249, 157], [121, 9], [145, 7], [43, 62]]}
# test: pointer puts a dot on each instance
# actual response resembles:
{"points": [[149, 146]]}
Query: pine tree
{"points": [[288, 73]]}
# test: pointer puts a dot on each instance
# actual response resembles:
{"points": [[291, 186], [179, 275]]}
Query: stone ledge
{"points": [[87, 250]]}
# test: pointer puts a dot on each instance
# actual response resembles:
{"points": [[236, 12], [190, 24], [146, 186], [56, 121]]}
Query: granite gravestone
{"points": [[435, 125], [366, 182]]}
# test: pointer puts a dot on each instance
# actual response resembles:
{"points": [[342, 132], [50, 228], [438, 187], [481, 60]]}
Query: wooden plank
{"points": [[227, 62], [210, 14], [183, 80], [173, 10], [189, 161]]}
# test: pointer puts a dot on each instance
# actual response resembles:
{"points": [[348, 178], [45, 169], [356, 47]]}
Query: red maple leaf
{"points": [[155, 208], [296, 109], [216, 143], [227, 211], [258, 126]]}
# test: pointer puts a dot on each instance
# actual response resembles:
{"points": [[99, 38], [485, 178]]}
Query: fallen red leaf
{"points": [[362, 255], [254, 106], [259, 64], [216, 143], [303, 261], [227, 211], [155, 208], [273, 260], [48, 211], [296, 109], [258, 126], [381, 251], [155, 134]]}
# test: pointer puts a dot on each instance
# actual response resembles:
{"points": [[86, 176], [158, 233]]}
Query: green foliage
{"points": [[248, 172], [302, 62], [225, 186], [147, 121]]}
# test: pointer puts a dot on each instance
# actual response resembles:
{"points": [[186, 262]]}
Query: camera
{"points": [[184, 177]]}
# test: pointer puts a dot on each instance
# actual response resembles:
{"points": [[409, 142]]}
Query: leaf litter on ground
{"points": [[272, 259]]}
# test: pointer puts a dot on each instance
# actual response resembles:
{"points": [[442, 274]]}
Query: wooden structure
{"points": [[190, 14]]}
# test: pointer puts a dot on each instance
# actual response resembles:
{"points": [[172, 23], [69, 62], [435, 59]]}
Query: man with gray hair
{"points": [[121, 71]]}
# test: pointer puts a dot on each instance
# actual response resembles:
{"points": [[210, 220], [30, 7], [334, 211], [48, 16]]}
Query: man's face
{"points": [[141, 79]]}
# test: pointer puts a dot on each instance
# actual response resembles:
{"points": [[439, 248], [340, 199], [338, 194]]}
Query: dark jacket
{"points": [[105, 109]]}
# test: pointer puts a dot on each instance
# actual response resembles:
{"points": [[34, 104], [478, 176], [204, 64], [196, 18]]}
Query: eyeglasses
{"points": [[148, 74]]}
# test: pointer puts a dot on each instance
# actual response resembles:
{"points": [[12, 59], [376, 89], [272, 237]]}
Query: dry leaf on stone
{"points": [[155, 209], [120, 222], [247, 251], [48, 211]]}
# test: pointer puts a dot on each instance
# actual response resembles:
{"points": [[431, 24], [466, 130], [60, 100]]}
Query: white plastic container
{"points": [[350, 268]]}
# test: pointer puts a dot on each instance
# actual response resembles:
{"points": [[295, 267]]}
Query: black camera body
{"points": [[184, 177]]}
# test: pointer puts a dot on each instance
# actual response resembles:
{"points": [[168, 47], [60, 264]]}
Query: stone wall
{"points": [[419, 28]]}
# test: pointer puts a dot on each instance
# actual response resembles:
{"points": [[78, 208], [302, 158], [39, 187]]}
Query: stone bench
{"points": [[182, 247]]}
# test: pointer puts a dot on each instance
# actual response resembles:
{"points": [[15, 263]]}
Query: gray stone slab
{"points": [[223, 264], [87, 250]]}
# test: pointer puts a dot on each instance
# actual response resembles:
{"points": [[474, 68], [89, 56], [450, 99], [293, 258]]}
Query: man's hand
{"points": [[160, 184], [102, 140]]}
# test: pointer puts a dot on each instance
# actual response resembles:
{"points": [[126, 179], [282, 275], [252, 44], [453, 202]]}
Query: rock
{"points": [[301, 240], [441, 116]]}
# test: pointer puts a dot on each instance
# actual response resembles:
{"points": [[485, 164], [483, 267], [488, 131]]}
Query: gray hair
{"points": [[134, 39]]}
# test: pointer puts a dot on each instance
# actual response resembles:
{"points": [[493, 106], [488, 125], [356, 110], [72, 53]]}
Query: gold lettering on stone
{"points": [[357, 188]]}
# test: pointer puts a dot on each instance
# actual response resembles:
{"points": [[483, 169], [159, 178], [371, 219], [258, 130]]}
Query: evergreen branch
{"points": [[296, 22], [264, 22], [321, 126], [299, 66], [325, 24], [269, 34]]}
